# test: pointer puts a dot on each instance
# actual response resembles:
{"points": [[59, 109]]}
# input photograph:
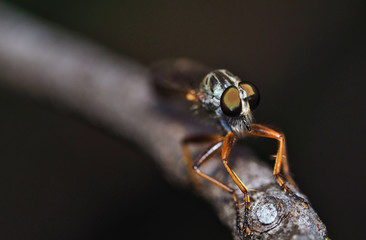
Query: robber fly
{"points": [[230, 102]]}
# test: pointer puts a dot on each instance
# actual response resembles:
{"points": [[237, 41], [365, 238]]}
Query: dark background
{"points": [[61, 178]]}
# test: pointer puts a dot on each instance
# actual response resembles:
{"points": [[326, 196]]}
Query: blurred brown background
{"points": [[63, 179]]}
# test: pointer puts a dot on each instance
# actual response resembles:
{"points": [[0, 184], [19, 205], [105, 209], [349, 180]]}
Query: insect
{"points": [[230, 102]]}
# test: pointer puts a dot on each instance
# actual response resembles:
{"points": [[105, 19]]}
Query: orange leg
{"points": [[285, 167], [229, 142], [281, 158], [195, 139], [209, 153]]}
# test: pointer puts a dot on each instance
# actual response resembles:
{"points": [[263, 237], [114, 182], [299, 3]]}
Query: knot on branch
{"points": [[266, 214], [275, 215]]}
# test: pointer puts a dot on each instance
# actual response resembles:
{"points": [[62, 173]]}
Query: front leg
{"points": [[195, 139], [218, 143], [228, 144], [281, 157]]}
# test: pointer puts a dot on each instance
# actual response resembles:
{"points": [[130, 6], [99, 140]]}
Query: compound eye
{"points": [[252, 94], [230, 102]]}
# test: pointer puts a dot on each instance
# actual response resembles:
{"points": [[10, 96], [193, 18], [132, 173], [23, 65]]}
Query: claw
{"points": [[294, 195], [305, 204]]}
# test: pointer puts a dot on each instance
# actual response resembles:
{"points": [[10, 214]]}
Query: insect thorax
{"points": [[212, 88], [213, 85]]}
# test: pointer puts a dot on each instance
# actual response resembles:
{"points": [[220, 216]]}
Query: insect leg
{"points": [[285, 168], [206, 155], [228, 144], [191, 140], [209, 153], [281, 157]]}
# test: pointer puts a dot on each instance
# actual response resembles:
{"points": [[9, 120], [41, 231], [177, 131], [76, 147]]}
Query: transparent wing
{"points": [[176, 77]]}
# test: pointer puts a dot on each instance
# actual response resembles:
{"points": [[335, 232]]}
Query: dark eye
{"points": [[252, 94], [230, 102]]}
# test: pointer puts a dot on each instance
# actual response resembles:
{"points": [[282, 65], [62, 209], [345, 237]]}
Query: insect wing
{"points": [[177, 77]]}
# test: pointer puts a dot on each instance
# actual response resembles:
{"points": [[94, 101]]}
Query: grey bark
{"points": [[116, 92]]}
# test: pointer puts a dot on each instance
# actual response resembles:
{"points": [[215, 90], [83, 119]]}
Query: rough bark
{"points": [[116, 92]]}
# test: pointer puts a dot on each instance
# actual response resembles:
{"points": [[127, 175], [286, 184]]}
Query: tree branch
{"points": [[116, 92]]}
